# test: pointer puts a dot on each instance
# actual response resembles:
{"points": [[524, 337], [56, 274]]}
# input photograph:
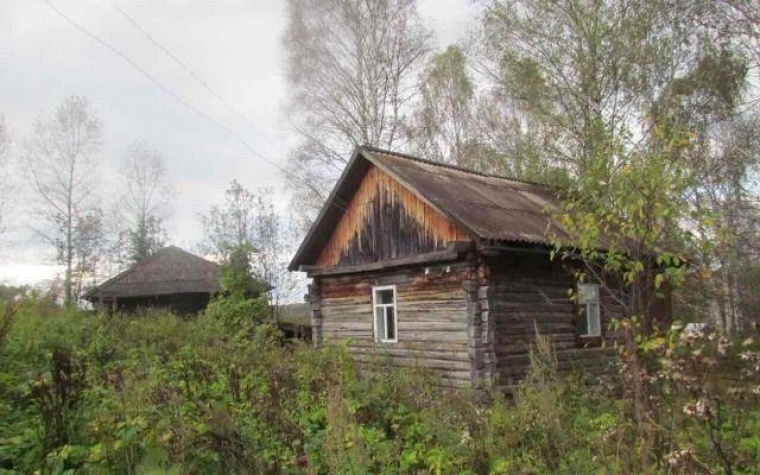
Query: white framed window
{"points": [[386, 319], [588, 301]]}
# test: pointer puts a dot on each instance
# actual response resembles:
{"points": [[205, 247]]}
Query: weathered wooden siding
{"points": [[384, 221], [529, 293], [432, 318]]}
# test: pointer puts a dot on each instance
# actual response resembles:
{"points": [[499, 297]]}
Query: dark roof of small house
{"points": [[489, 207], [169, 271]]}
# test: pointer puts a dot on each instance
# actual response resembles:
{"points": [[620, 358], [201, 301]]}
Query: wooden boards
{"points": [[432, 318], [383, 221]]}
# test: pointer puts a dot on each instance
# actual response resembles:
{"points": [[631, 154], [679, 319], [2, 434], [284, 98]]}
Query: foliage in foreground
{"points": [[158, 394]]}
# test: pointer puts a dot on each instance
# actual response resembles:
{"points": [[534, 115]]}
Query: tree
{"points": [[706, 101], [89, 246], [60, 160], [352, 66], [229, 233], [513, 144], [616, 89], [144, 204], [741, 18], [252, 240], [588, 72], [230, 226], [273, 237], [442, 128]]}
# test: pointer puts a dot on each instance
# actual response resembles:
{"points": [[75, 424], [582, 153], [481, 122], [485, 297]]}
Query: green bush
{"points": [[90, 393]]}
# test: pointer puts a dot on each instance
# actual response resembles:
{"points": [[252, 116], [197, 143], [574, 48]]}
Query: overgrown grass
{"points": [[87, 393]]}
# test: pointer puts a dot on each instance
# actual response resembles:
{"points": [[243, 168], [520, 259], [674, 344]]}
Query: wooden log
{"points": [[412, 353], [428, 345], [414, 362]]}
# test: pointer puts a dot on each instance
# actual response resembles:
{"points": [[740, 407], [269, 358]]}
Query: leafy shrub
{"points": [[239, 314], [162, 394]]}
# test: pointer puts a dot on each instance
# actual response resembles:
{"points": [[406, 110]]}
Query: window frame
{"points": [[376, 322], [584, 306]]}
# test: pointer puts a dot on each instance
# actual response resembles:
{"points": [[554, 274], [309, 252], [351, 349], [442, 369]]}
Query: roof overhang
{"points": [[331, 211], [361, 161]]}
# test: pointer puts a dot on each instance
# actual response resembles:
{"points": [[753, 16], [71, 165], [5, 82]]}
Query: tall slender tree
{"points": [[61, 162], [442, 127], [145, 203], [352, 67], [89, 248], [230, 225], [273, 236]]}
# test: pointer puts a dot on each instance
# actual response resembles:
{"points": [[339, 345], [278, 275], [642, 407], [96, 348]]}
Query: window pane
{"points": [[588, 293], [390, 324], [594, 326], [385, 296], [582, 322], [379, 324]]}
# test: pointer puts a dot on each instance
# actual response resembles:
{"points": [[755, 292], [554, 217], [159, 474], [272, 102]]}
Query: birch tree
{"points": [[229, 235], [352, 67], [89, 247], [585, 71], [61, 161], [230, 225], [610, 86], [145, 203], [273, 237], [252, 239], [442, 127]]}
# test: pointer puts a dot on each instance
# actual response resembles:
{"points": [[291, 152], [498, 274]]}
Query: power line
{"points": [[178, 98], [190, 70], [166, 90]]}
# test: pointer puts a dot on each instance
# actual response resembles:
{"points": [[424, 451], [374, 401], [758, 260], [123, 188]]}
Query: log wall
{"points": [[529, 293], [472, 322], [432, 318], [384, 221], [480, 325]]}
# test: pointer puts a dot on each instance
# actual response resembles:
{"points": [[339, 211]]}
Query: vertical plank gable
{"points": [[383, 221]]}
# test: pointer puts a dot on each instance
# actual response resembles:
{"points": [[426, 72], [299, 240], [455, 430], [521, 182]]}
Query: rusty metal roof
{"points": [[488, 207], [169, 271]]}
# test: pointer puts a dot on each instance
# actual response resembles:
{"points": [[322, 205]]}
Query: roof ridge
{"points": [[406, 156], [172, 247]]}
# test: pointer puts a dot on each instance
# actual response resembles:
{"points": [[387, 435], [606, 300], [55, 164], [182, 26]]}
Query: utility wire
{"points": [[182, 101], [190, 70], [342, 206]]}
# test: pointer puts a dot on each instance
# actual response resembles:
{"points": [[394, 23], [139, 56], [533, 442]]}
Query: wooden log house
{"points": [[434, 265], [171, 279]]}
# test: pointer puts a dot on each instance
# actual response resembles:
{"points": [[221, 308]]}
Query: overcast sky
{"points": [[233, 45]]}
